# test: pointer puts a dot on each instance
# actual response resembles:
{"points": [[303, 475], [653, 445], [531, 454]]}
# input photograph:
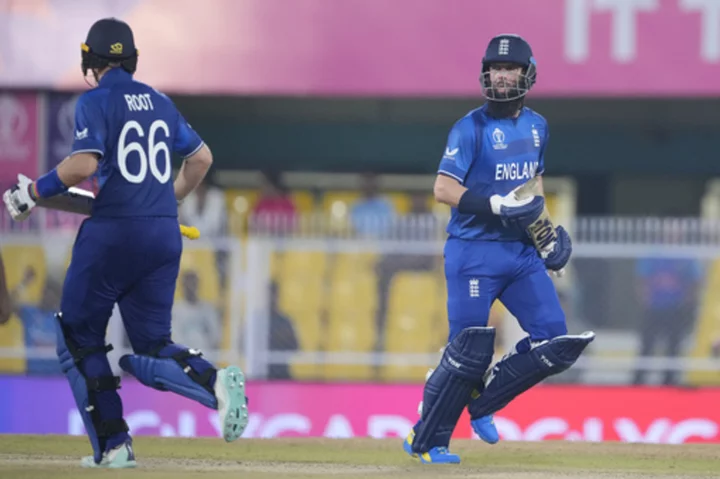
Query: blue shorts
{"points": [[479, 272], [133, 262]]}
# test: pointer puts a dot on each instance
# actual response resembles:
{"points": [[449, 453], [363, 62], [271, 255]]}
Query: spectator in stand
{"points": [[372, 215], [275, 211]]}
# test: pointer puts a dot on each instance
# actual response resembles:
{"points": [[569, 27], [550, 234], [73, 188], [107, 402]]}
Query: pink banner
{"points": [[19, 136], [376, 47], [652, 415]]}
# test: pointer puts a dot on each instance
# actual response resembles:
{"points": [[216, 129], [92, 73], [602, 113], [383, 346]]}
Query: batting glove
{"points": [[560, 255], [17, 199], [518, 214]]}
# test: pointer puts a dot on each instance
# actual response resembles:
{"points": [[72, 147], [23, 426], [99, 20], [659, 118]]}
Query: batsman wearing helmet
{"points": [[491, 152], [128, 250]]}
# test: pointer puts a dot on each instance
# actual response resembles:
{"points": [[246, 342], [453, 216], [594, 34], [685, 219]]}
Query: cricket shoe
{"points": [[232, 403], [120, 457], [436, 455], [485, 428]]}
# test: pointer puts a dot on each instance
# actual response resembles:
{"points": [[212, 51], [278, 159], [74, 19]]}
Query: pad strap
{"points": [[181, 358], [107, 427]]}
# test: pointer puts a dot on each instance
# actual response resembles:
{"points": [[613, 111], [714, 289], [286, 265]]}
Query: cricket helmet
{"points": [[508, 49], [109, 41]]}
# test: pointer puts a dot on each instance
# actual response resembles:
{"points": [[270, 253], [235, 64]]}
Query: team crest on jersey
{"points": [[498, 139], [536, 137], [474, 285]]}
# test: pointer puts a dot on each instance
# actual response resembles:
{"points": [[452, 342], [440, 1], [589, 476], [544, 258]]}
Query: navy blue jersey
{"points": [[493, 156], [134, 129]]}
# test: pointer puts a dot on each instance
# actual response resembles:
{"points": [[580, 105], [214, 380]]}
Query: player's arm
{"points": [[87, 149], [192, 172], [197, 159], [51, 189], [5, 306], [455, 164], [448, 190]]}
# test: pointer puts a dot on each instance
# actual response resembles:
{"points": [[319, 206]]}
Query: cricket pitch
{"points": [[57, 457]]}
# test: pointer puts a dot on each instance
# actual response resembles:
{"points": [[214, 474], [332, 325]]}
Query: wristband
{"points": [[474, 204], [48, 185]]}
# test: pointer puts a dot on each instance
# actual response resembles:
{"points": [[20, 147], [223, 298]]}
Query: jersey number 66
{"points": [[148, 156]]}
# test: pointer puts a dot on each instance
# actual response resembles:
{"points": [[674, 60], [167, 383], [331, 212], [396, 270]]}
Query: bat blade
{"points": [[542, 231], [74, 200]]}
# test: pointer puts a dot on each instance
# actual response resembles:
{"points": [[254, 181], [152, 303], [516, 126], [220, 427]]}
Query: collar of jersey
{"points": [[115, 75]]}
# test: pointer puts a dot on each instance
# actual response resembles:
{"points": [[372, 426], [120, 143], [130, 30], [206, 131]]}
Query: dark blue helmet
{"points": [[109, 41], [508, 49]]}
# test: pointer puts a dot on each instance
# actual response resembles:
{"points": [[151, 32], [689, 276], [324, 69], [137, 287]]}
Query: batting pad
{"points": [[519, 371], [447, 391], [169, 370], [86, 390]]}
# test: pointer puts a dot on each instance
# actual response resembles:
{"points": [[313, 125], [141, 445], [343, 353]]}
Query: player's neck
{"points": [[101, 73], [505, 110]]}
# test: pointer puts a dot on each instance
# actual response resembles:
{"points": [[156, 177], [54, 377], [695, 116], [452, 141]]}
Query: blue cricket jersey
{"points": [[492, 156], [134, 129]]}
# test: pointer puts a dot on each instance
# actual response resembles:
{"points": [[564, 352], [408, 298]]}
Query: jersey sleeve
{"points": [[459, 151], [187, 141], [90, 127], [541, 158]]}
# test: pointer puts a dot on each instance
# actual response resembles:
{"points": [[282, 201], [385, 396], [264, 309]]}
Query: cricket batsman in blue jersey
{"points": [[489, 255], [128, 250]]}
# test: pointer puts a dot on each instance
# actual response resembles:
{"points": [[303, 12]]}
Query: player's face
{"points": [[505, 77]]}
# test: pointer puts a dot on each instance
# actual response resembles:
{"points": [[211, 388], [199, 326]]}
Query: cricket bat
{"points": [[80, 201], [74, 200], [542, 231]]}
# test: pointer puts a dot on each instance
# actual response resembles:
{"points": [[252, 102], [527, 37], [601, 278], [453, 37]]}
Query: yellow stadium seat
{"points": [[304, 201], [354, 263], [241, 201], [350, 330], [707, 329], [400, 201], [339, 203], [202, 262], [12, 335], [308, 329], [412, 324], [303, 263], [20, 260], [352, 292], [301, 298], [415, 291]]}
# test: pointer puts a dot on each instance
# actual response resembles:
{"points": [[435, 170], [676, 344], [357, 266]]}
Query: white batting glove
{"points": [[497, 202], [17, 199]]}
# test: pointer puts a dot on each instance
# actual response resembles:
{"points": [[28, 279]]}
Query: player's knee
{"points": [[550, 324], [457, 327], [464, 318], [149, 348], [549, 330], [556, 328]]}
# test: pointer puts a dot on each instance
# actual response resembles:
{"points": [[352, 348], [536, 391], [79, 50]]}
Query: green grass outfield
{"points": [[57, 457]]}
